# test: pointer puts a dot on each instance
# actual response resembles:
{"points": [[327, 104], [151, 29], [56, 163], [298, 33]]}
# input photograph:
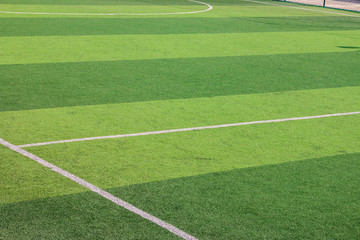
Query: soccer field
{"points": [[170, 119]]}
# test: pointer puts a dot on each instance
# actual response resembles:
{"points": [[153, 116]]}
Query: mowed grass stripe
{"points": [[23, 179], [312, 199], [34, 86], [297, 200], [104, 9], [25, 50], [118, 162], [166, 131], [115, 26], [24, 127], [82, 216]]}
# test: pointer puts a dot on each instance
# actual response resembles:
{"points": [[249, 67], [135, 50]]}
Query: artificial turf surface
{"points": [[64, 77], [25, 50], [122, 26]]}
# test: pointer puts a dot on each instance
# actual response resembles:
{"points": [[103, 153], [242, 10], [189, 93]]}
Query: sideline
{"points": [[101, 192], [114, 14], [188, 129], [303, 8]]}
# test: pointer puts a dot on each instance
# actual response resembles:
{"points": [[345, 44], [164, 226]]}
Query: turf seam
{"points": [[189, 129], [303, 8], [114, 14], [100, 191]]}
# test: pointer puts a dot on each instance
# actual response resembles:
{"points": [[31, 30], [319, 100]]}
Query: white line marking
{"points": [[101, 192], [302, 8], [188, 129], [114, 14]]}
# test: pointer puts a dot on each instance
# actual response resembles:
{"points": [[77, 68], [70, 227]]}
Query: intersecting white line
{"points": [[100, 191], [114, 14], [121, 202], [188, 129]]}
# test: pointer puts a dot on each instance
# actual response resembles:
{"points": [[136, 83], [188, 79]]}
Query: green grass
{"points": [[103, 2], [23, 179], [223, 8], [25, 50], [191, 25], [67, 76], [80, 216], [312, 199], [103, 8]]}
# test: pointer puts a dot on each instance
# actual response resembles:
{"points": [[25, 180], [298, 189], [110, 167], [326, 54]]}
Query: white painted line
{"points": [[101, 192], [188, 129], [303, 8], [114, 14]]}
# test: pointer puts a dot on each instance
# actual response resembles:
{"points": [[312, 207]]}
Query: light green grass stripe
{"points": [[22, 179], [43, 125], [25, 50], [119, 162], [166, 131]]}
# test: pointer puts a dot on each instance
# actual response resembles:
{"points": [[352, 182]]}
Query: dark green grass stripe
{"points": [[79, 216], [113, 26], [87, 83], [312, 199]]}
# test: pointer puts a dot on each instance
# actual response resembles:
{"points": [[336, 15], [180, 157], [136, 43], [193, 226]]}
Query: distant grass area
{"points": [[102, 2], [315, 198], [169, 8]]}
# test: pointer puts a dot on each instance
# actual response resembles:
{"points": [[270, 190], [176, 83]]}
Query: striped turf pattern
{"points": [[68, 77]]}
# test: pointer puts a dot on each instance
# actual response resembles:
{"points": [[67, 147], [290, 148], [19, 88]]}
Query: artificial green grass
{"points": [[71, 84], [222, 8], [102, 2], [22, 127], [118, 162], [23, 179], [299, 200], [25, 50], [169, 8], [312, 199], [112, 26], [79, 216]]}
